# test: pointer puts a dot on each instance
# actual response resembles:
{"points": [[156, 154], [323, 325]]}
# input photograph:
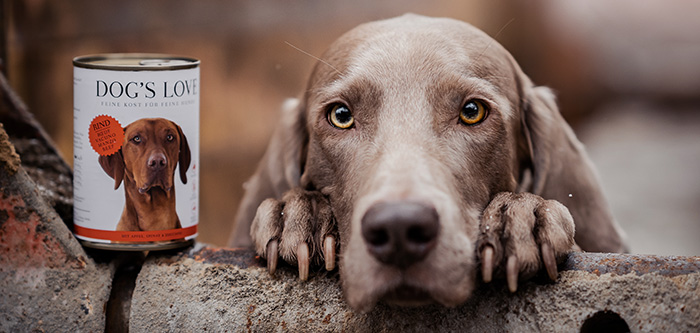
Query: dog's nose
{"points": [[400, 233], [157, 161]]}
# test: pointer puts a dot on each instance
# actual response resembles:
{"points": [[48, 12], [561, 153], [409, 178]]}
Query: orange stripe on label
{"points": [[135, 236]]}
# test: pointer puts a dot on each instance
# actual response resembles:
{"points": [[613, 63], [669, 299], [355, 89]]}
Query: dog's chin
{"points": [[405, 295], [445, 281], [408, 293], [155, 189]]}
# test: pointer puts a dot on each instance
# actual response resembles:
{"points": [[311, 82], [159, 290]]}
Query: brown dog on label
{"points": [[146, 165]]}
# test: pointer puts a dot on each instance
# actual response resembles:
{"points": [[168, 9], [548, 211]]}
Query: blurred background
{"points": [[627, 74]]}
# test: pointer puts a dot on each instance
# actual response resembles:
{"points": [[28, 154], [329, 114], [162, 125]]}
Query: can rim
{"points": [[88, 61]]}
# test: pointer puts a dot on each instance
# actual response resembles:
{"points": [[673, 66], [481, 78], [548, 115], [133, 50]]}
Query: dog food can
{"points": [[136, 144]]}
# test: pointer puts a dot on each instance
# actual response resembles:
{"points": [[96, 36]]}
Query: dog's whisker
{"points": [[314, 57], [493, 40]]}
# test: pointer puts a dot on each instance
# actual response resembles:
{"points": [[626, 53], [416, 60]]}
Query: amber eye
{"points": [[473, 112], [341, 117], [136, 139], [170, 137]]}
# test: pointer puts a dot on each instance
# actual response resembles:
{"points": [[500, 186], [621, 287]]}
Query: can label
{"points": [[136, 144]]}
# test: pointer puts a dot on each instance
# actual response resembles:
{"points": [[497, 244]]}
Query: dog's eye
{"points": [[341, 117], [473, 112], [136, 139], [170, 137]]}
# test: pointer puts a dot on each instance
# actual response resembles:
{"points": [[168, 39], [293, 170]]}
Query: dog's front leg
{"points": [[300, 228], [521, 233]]}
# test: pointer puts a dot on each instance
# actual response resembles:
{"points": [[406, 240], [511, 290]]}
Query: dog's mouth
{"points": [[149, 188], [446, 289], [155, 186], [406, 295]]}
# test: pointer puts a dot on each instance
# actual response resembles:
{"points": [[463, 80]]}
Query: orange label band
{"points": [[135, 236]]}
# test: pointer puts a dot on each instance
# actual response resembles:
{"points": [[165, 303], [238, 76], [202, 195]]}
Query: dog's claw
{"points": [[550, 262], [272, 256], [512, 273], [329, 252], [487, 264], [303, 260]]}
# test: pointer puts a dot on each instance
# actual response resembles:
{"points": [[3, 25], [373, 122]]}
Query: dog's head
{"points": [[151, 150], [410, 126]]}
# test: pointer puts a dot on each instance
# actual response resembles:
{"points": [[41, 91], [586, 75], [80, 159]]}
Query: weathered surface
{"points": [[53, 179], [47, 281], [9, 160], [40, 157], [230, 290], [604, 263]]}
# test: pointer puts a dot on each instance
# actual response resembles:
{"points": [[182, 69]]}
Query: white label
{"points": [[156, 103]]}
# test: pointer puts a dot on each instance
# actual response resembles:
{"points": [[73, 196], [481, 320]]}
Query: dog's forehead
{"points": [[414, 48], [147, 125]]}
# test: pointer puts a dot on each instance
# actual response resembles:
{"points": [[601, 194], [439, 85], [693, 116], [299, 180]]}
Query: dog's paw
{"points": [[521, 233], [300, 229]]}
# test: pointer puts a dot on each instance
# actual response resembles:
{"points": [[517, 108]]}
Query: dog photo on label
{"points": [[146, 163], [423, 160]]}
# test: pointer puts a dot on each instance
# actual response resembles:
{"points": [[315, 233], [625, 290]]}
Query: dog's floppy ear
{"points": [[113, 165], [562, 171], [550, 139], [281, 167], [185, 156], [279, 170]]}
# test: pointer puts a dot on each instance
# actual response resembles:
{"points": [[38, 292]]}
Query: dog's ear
{"points": [[279, 170], [113, 165], [185, 156], [562, 171], [281, 167], [549, 138]]}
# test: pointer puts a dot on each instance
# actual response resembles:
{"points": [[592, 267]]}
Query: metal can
{"points": [[136, 144]]}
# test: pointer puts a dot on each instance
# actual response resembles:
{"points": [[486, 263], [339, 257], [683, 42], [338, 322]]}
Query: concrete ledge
{"points": [[230, 290]]}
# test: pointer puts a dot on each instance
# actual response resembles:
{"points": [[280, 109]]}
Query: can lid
{"points": [[135, 62]]}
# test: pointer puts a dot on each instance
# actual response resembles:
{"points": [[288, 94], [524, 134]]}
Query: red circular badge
{"points": [[106, 135]]}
